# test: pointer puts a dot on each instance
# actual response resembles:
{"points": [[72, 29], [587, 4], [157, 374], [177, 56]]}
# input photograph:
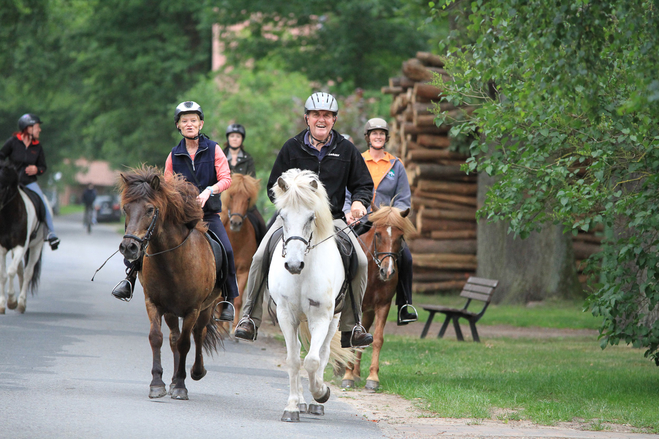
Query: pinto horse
{"points": [[382, 244], [237, 200], [22, 234], [305, 277], [164, 227]]}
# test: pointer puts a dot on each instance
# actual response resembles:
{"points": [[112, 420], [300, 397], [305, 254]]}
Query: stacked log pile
{"points": [[443, 196]]}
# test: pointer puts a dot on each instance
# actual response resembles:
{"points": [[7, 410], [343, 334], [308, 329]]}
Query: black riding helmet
{"points": [[27, 120], [236, 128]]}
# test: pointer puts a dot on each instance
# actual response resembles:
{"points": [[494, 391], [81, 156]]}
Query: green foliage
{"points": [[360, 43], [541, 380], [567, 104]]}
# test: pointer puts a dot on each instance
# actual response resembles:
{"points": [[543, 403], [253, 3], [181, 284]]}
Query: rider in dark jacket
{"points": [[240, 161], [339, 165]]}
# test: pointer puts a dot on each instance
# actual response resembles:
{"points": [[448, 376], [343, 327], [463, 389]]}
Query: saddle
{"points": [[254, 217], [346, 250], [39, 206], [221, 259]]}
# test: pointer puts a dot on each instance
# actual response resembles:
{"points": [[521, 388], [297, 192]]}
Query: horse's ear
{"points": [[314, 184], [374, 208], [282, 184], [123, 179], [405, 212], [155, 182]]}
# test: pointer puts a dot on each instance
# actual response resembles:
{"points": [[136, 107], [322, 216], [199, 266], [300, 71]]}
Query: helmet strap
{"points": [[190, 138]]}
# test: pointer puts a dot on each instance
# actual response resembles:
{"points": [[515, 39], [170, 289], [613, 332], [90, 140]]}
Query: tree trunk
{"points": [[534, 269]]}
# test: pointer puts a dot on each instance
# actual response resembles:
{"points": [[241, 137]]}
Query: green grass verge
{"points": [[550, 314], [71, 208], [544, 381]]}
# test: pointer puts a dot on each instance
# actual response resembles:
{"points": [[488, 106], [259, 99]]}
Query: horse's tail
{"points": [[215, 334], [340, 358], [36, 274]]}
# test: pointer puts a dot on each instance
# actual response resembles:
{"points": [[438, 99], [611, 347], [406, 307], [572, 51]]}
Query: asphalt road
{"points": [[77, 364]]}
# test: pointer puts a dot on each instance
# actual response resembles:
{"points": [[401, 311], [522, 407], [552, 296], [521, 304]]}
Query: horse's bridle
{"points": [[297, 238], [242, 217], [391, 255], [144, 241]]}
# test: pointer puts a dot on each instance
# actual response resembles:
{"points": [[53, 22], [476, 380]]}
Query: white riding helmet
{"points": [[321, 101], [187, 107]]}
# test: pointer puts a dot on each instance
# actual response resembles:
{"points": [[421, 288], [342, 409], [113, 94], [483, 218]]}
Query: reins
{"points": [[6, 203]]}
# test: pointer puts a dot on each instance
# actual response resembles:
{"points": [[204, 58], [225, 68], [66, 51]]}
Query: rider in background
{"points": [[390, 181], [320, 149], [88, 198], [240, 161], [25, 151], [202, 162]]}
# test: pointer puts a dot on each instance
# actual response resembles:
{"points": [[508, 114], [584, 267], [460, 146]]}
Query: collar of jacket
{"points": [[336, 139], [204, 144]]}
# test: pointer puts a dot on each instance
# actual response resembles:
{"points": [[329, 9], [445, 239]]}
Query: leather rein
{"points": [[144, 241]]}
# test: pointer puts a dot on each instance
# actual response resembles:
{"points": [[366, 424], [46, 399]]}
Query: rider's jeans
{"points": [[49, 217]]}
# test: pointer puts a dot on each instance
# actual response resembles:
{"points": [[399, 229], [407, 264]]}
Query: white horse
{"points": [[305, 277], [23, 235]]}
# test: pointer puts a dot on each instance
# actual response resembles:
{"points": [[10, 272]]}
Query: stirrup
{"points": [[220, 314], [124, 298], [352, 334], [247, 319], [400, 312]]}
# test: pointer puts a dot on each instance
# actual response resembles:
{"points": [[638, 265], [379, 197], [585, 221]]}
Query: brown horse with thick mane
{"points": [[164, 228], [237, 200], [383, 244]]}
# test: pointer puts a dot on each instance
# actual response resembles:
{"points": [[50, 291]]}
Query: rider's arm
{"points": [[41, 162], [403, 193], [169, 167], [222, 171], [280, 166], [360, 183]]}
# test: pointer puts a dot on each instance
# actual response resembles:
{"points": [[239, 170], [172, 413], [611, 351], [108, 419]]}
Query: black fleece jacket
{"points": [[342, 167]]}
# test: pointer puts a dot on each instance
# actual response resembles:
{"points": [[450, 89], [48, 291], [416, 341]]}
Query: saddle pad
{"points": [[254, 217], [221, 259], [38, 203]]}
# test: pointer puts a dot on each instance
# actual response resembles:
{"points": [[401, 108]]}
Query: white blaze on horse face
{"points": [[389, 262]]}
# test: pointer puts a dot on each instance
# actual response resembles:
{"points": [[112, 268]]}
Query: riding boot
{"points": [[228, 311], [124, 289], [246, 329], [406, 314], [53, 241], [357, 338]]}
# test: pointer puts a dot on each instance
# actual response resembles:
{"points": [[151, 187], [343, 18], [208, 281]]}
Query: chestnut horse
{"points": [[178, 275], [236, 201], [382, 244]]}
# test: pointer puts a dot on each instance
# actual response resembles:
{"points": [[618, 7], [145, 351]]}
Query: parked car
{"points": [[108, 208]]}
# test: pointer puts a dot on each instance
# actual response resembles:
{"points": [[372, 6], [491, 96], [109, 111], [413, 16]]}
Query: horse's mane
{"points": [[242, 186], [8, 174], [390, 216], [301, 193], [174, 196]]}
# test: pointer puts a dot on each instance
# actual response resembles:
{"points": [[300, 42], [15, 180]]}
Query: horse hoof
{"points": [[157, 391], [12, 303], [180, 394], [323, 399], [290, 416], [348, 384], [317, 409], [197, 377], [21, 308], [372, 385], [302, 407], [2, 310]]}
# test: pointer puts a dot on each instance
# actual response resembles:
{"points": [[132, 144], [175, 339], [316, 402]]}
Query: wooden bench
{"points": [[476, 288]]}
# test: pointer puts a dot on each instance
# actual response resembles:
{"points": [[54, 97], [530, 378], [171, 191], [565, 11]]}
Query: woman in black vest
{"points": [[202, 162]]}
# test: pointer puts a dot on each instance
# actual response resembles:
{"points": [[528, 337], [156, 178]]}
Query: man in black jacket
{"points": [[339, 165]]}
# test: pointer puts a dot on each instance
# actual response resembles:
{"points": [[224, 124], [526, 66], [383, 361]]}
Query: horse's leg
{"points": [[28, 274], [183, 347], [198, 370], [319, 329], [289, 325], [367, 319], [157, 387], [17, 259], [318, 409], [373, 381], [174, 334], [3, 279]]}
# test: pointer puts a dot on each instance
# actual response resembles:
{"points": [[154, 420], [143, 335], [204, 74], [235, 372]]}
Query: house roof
{"points": [[96, 172]]}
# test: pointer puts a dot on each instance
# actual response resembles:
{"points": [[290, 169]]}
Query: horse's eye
{"points": [[150, 210]]}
